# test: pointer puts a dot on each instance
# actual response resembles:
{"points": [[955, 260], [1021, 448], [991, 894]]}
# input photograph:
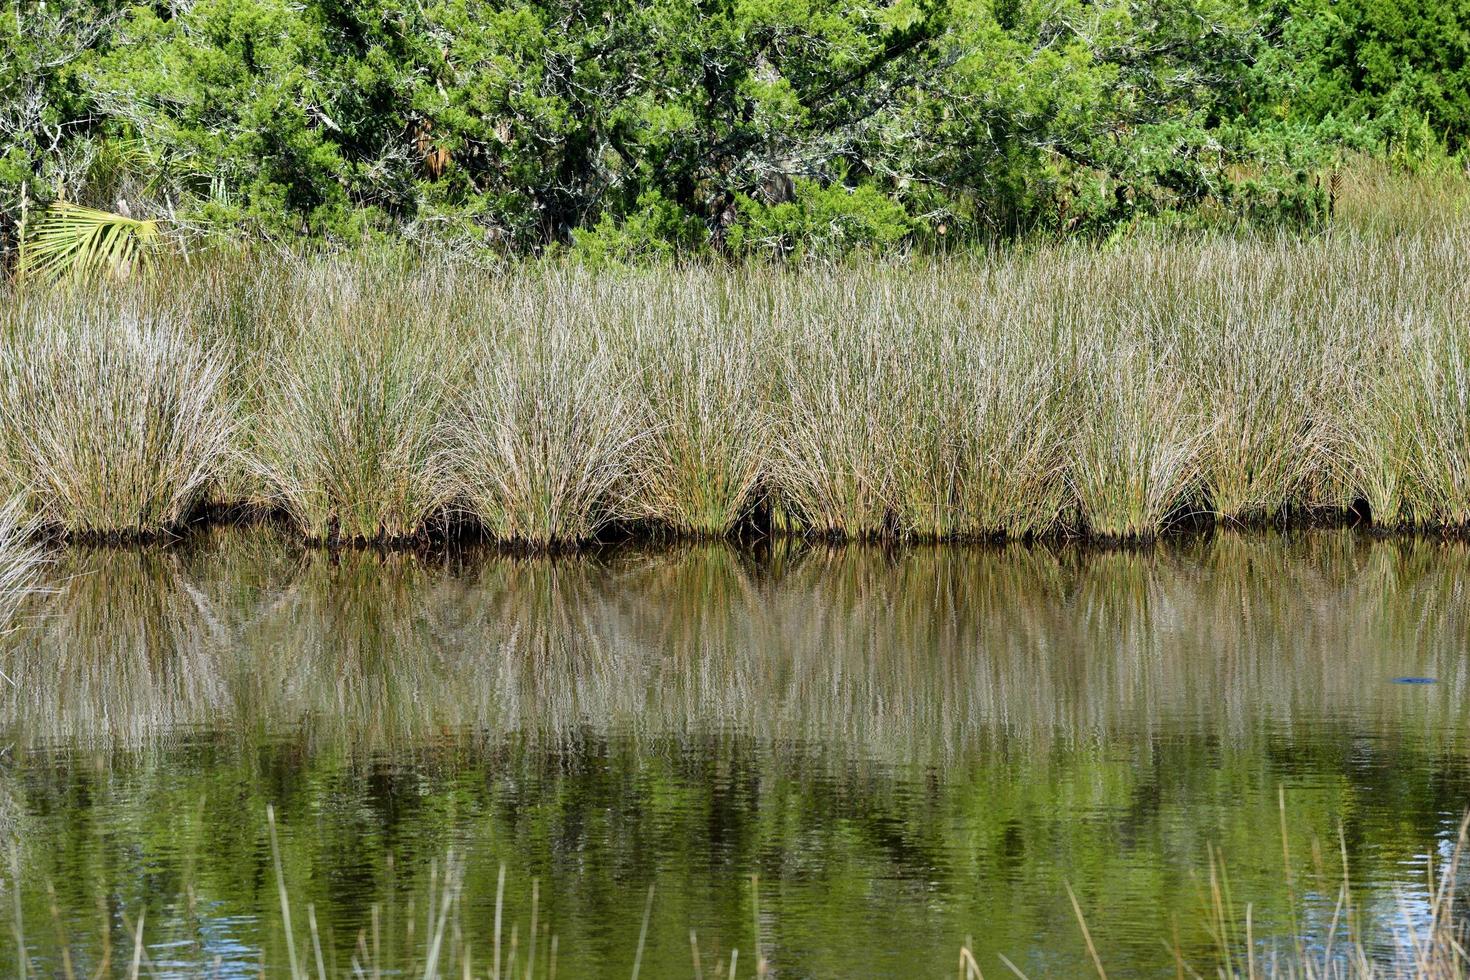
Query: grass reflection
{"points": [[908, 746], [903, 655]]}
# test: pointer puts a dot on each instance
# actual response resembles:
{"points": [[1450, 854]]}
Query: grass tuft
{"points": [[346, 440], [543, 438], [112, 428]]}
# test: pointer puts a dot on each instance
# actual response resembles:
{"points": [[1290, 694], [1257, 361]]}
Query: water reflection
{"points": [[905, 656], [908, 746]]}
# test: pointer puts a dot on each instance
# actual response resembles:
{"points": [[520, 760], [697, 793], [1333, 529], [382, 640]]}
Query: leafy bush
{"points": [[658, 228], [820, 220], [1401, 67]]}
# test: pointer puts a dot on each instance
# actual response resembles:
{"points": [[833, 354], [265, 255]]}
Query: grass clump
{"points": [[1436, 430], [831, 463], [1136, 446], [703, 380], [112, 427], [976, 448], [346, 440], [1258, 386], [977, 444], [542, 438]]}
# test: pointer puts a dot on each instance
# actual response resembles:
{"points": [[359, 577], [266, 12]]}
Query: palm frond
{"points": [[69, 240]]}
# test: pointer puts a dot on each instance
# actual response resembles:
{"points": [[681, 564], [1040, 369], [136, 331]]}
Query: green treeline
{"points": [[740, 126]]}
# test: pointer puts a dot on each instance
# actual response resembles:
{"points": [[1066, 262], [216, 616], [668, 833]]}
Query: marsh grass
{"points": [[1051, 390], [1135, 455], [832, 468], [1437, 433], [542, 438], [703, 373], [112, 427], [1262, 443], [1378, 199], [972, 429], [346, 436]]}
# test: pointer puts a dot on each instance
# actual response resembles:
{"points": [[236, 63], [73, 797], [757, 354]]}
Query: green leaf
{"points": [[71, 241]]}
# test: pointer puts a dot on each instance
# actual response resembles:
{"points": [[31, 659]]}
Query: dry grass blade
{"points": [[1086, 934]]}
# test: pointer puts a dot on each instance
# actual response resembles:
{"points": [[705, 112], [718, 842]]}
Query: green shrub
{"points": [[820, 221], [657, 228], [629, 130]]}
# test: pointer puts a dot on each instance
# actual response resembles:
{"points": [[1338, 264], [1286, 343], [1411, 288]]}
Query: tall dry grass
{"points": [[351, 395], [112, 426], [1053, 390], [542, 437], [699, 354]]}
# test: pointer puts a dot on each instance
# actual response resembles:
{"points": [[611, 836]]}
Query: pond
{"points": [[839, 761]]}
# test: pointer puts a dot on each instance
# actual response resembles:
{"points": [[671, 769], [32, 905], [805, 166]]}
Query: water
{"points": [[907, 747]]}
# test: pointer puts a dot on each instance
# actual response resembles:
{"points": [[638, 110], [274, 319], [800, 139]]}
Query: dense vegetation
{"points": [[739, 126], [1040, 392]]}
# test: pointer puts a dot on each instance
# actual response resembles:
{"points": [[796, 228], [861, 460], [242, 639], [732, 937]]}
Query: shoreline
{"points": [[464, 536]]}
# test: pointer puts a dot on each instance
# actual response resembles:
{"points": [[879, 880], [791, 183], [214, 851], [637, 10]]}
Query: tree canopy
{"points": [[754, 126]]}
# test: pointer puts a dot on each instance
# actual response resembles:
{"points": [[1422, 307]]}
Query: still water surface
{"points": [[908, 748]]}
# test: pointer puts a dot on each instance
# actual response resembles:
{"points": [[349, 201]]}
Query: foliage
{"points": [[820, 221], [1398, 68], [70, 240], [657, 228], [762, 126], [43, 107]]}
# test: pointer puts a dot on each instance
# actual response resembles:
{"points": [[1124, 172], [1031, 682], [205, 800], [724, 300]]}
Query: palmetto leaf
{"points": [[69, 240]]}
